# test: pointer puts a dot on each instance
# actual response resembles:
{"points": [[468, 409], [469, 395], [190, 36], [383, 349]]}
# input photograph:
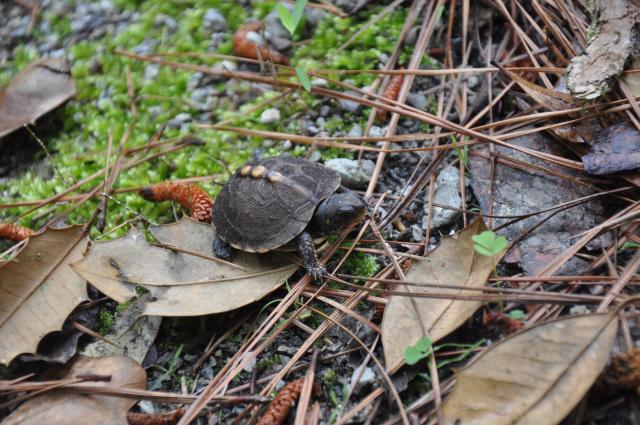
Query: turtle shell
{"points": [[267, 203]]}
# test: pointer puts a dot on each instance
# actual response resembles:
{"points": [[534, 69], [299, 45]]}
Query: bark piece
{"points": [[592, 74]]}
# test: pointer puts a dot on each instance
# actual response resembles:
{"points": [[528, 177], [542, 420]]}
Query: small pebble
{"points": [[354, 175], [270, 116], [214, 20], [366, 377]]}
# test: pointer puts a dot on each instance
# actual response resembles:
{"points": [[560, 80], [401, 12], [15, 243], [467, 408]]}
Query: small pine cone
{"points": [[391, 92], [624, 370], [280, 406], [190, 196], [15, 232], [172, 418], [246, 48]]}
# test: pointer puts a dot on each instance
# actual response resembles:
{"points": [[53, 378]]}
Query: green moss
{"points": [[361, 264], [270, 362], [364, 53], [106, 319]]}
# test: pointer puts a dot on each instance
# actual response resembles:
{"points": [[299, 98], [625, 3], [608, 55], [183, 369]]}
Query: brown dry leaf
{"points": [[180, 283], [534, 377], [407, 319], [62, 408], [38, 290], [39, 88], [550, 99]]}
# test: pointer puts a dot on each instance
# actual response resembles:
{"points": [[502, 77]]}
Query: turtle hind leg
{"points": [[309, 257], [222, 250]]}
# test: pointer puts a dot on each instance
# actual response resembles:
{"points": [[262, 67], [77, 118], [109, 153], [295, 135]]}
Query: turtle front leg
{"points": [[222, 250], [309, 257]]}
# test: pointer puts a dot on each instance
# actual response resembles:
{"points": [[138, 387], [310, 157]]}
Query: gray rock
{"points": [[315, 156], [366, 377], [376, 131], [287, 145], [270, 116], [350, 6], [166, 21], [151, 71], [412, 37], [325, 110], [349, 105], [214, 20], [319, 82], [447, 193], [417, 100], [252, 363], [356, 131], [179, 120], [314, 16], [354, 175], [273, 26]]}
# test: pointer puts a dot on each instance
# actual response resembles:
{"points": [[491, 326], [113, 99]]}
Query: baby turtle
{"points": [[271, 202]]}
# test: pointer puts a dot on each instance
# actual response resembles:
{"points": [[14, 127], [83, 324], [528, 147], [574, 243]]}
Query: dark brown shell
{"points": [[262, 209]]}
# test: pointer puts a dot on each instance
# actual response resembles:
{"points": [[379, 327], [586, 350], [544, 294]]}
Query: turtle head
{"points": [[337, 212]]}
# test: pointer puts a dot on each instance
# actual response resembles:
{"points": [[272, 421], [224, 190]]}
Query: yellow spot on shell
{"points": [[275, 177], [244, 171], [258, 172]]}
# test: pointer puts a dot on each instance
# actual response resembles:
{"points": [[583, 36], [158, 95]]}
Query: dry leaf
{"points": [[38, 290], [62, 408], [39, 88], [407, 319], [180, 283], [551, 99], [534, 377]]}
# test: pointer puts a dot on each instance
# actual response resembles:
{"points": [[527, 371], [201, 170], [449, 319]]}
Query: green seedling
{"points": [[629, 244], [489, 244], [290, 22], [168, 372], [303, 78], [419, 351]]}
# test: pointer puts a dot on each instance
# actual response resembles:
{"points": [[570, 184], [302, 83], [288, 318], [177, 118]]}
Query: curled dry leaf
{"points": [[38, 289], [181, 283], [62, 408], [39, 88], [551, 99], [190, 196], [534, 377], [407, 319], [247, 48]]}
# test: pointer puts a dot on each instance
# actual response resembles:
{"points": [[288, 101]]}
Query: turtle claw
{"points": [[317, 272]]}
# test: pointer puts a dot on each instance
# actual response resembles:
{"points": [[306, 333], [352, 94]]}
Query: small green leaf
{"points": [[412, 355], [489, 244], [629, 244], [286, 18], [517, 315], [298, 11], [424, 344], [303, 78]]}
